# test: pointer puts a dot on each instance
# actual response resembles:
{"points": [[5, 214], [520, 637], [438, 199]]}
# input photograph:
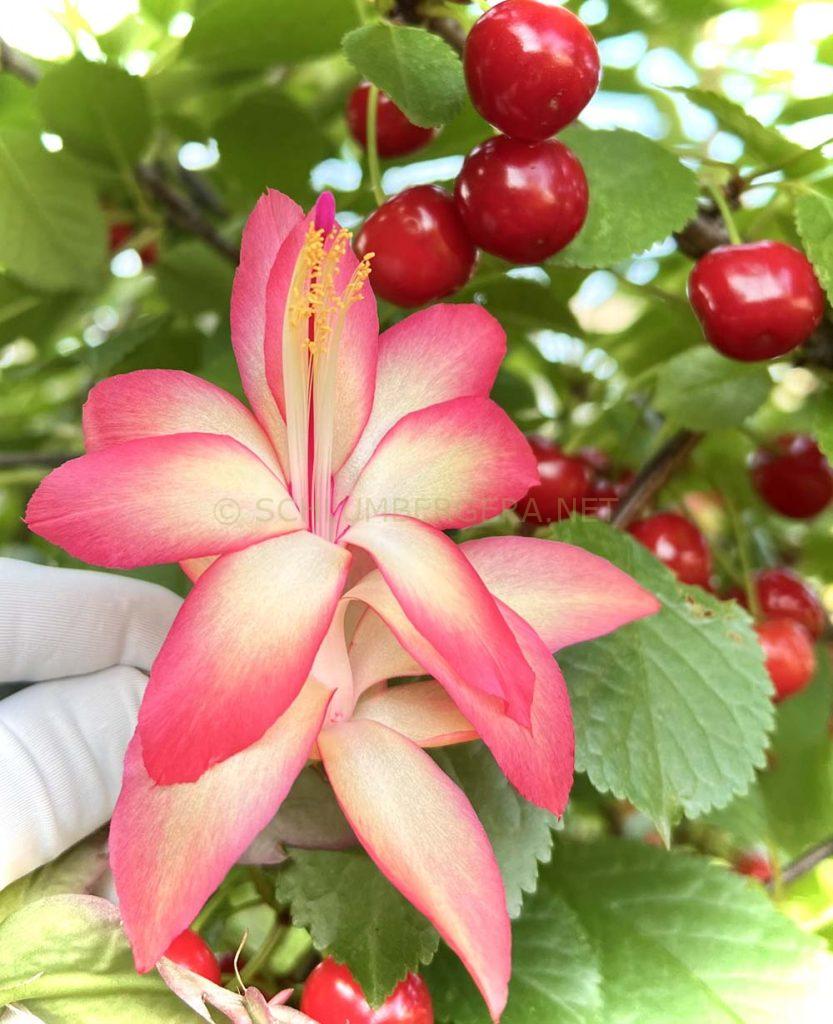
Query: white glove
{"points": [[88, 640]]}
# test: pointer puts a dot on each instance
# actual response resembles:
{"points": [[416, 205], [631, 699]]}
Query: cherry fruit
{"points": [[788, 650], [333, 996], [606, 494], [120, 233], [793, 477], [531, 68], [677, 543], [564, 487], [754, 865], [523, 201], [422, 251], [756, 301], [192, 951], [784, 595], [395, 134]]}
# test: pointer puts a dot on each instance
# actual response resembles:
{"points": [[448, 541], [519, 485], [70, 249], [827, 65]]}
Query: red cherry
{"points": [[192, 951], [395, 134], [119, 232], [783, 594], [422, 251], [149, 254], [793, 477], [605, 495], [754, 865], [679, 544], [596, 459], [564, 487], [531, 68], [756, 301], [788, 650], [333, 996], [523, 201]]}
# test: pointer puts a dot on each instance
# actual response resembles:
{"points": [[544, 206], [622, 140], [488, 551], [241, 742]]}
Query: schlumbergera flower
{"points": [[313, 528]]}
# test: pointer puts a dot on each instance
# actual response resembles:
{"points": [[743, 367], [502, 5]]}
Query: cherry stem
{"points": [[723, 206], [373, 145], [267, 948], [745, 561]]}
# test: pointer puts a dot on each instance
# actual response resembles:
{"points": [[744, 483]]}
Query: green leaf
{"points": [[639, 194], [417, 69], [76, 871], [356, 916], [814, 221], [765, 144], [702, 390], [797, 789], [99, 110], [671, 712], [268, 141], [555, 972], [65, 958], [194, 278], [520, 833], [52, 231], [230, 35], [674, 931]]}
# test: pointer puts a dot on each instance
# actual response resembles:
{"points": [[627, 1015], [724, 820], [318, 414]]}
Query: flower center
{"points": [[314, 324]]}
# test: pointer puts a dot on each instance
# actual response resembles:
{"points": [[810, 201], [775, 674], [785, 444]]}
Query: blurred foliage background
{"points": [[154, 125]]}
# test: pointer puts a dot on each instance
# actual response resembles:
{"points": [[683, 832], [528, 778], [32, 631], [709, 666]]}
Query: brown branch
{"points": [[653, 476], [448, 29], [806, 862], [15, 63], [182, 213]]}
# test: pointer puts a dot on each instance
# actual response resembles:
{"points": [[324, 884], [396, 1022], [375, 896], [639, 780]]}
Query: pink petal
{"points": [[423, 712], [238, 652], [537, 760], [171, 846], [376, 655], [161, 499], [445, 600], [565, 593], [423, 835], [358, 343], [432, 356], [274, 216], [452, 465], [148, 403]]}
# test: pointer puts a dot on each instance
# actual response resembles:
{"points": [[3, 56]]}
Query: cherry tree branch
{"points": [[15, 63], [182, 213], [654, 475], [806, 862]]}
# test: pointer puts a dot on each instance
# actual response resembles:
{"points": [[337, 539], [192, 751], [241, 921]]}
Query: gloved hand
{"points": [[85, 641]]}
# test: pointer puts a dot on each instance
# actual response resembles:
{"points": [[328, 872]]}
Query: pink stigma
{"points": [[325, 212]]}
